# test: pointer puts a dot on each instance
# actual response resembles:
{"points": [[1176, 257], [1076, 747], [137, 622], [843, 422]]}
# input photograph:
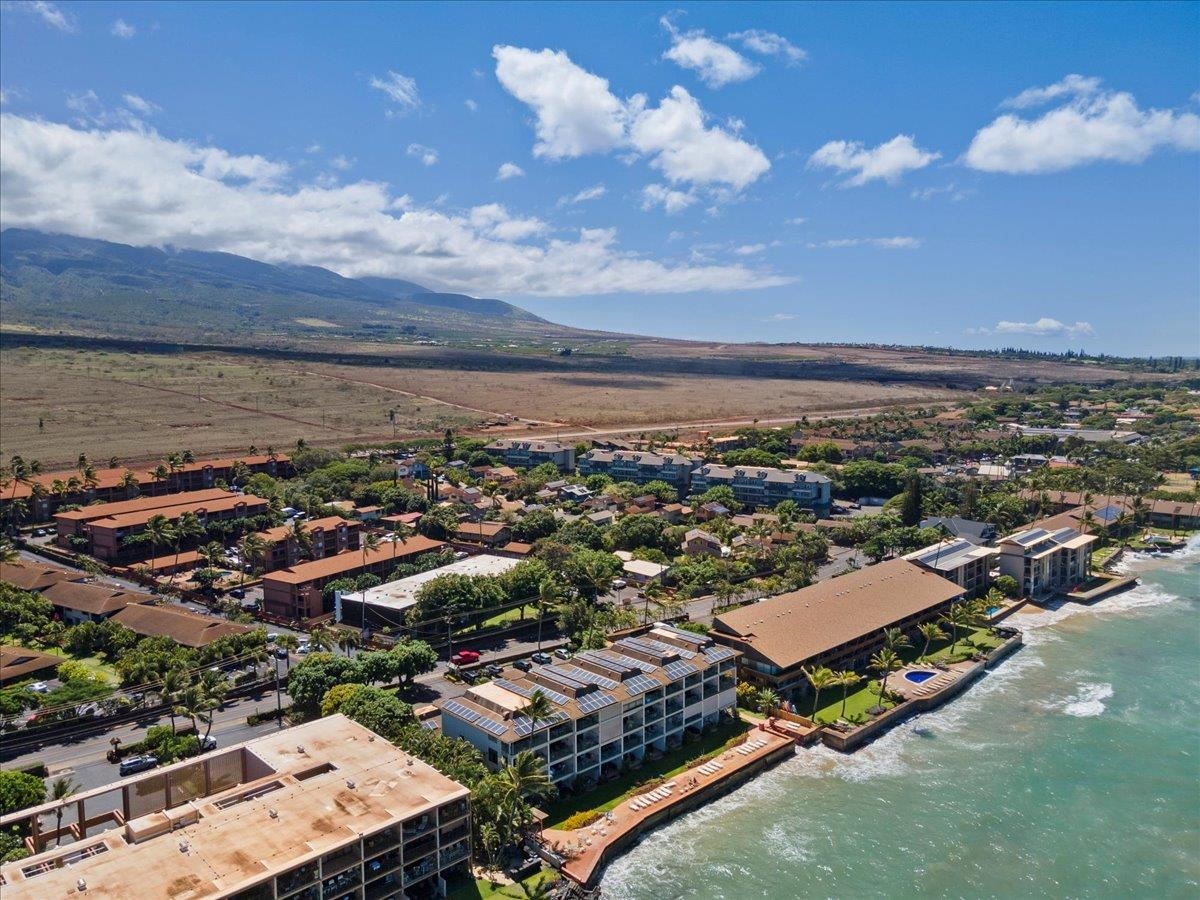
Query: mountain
{"points": [[60, 282]]}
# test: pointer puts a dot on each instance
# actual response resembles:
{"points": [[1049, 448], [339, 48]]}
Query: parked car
{"points": [[208, 743], [468, 676], [38, 687], [272, 637], [494, 671], [562, 653], [238, 594], [136, 764], [464, 657], [619, 583], [523, 664], [281, 653], [542, 658], [303, 649]]}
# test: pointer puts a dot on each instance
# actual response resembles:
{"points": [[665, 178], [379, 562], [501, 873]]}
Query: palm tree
{"points": [[129, 483], [526, 776], [550, 593], [187, 528], [212, 553], [847, 680], [401, 532], [253, 549], [369, 543], [322, 638], [885, 662], [958, 617], [767, 701], [304, 541], [190, 703], [172, 684], [540, 708], [895, 639], [158, 532], [288, 642], [160, 474], [347, 641], [931, 631], [820, 678], [61, 789]]}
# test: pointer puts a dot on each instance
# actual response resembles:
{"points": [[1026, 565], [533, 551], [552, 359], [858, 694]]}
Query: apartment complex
{"points": [[837, 623], [1046, 562], [612, 706], [641, 466], [325, 537], [765, 486], [527, 454], [322, 810], [107, 527], [296, 592], [960, 561]]}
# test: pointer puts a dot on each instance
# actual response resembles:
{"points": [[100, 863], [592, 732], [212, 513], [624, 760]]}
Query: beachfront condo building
{"points": [[322, 810], [1047, 562], [966, 564], [641, 466], [837, 623], [764, 486], [612, 707], [528, 454]]}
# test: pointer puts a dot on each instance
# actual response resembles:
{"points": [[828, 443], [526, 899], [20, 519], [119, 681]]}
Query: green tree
{"points": [[20, 790], [768, 701], [526, 776], [60, 789], [315, 675], [959, 616], [885, 662], [188, 528], [159, 533], [847, 680], [931, 632], [820, 678], [379, 710], [910, 504], [409, 659]]}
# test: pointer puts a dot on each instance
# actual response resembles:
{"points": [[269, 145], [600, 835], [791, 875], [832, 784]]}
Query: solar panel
{"points": [[662, 647], [718, 654], [590, 677], [641, 684], [429, 725], [559, 678], [677, 670], [628, 663], [463, 712], [491, 725], [594, 701], [527, 692], [524, 725], [1031, 536]]}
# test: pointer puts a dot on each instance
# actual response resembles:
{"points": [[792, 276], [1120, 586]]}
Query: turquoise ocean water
{"points": [[1072, 770]]}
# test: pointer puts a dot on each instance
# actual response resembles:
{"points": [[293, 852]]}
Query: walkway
{"points": [[589, 848]]}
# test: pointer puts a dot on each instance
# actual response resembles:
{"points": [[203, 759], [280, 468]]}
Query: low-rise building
{"points": [[837, 623], [19, 663], [76, 602], [326, 809], [979, 533], [613, 707], [959, 560], [327, 536], [36, 576], [1046, 562], [485, 534], [764, 486], [73, 522], [1174, 514], [640, 466], [180, 625], [697, 542], [526, 454]]}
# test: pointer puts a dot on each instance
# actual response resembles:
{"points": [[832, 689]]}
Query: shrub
{"points": [[581, 819]]}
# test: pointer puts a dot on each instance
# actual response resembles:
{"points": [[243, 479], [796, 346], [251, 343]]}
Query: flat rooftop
{"points": [[284, 800], [402, 594]]}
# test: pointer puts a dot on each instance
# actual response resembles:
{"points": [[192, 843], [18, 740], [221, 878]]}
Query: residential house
{"points": [[487, 534], [19, 663], [36, 576], [180, 625], [326, 536], [75, 602], [698, 543], [979, 533]]}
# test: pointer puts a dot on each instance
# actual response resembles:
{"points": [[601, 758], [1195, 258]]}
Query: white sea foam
{"points": [[1089, 701]]}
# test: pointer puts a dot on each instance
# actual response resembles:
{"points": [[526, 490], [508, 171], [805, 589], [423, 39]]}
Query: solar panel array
{"points": [[559, 678], [596, 700], [662, 647], [527, 692], [1031, 537], [606, 661], [718, 654], [641, 684], [677, 670], [463, 712], [524, 725], [491, 725], [589, 677], [630, 663]]}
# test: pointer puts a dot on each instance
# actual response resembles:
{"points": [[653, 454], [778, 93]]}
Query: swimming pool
{"points": [[918, 677]]}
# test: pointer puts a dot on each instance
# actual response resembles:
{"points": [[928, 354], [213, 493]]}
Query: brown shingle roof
{"points": [[352, 560], [93, 599], [135, 518], [140, 504], [189, 629], [32, 576], [280, 532], [794, 627], [17, 662]]}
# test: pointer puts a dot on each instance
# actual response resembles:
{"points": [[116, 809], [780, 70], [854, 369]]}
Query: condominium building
{"points": [[613, 707], [323, 810], [527, 454], [326, 536], [764, 486], [640, 466], [1046, 562], [960, 561]]}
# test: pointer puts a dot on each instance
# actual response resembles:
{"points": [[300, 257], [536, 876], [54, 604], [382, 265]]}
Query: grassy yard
{"points": [[482, 889], [95, 664], [608, 795], [509, 615]]}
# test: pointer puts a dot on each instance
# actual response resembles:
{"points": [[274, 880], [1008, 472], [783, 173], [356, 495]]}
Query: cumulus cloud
{"points": [[509, 170], [881, 243], [888, 162], [595, 192], [123, 29], [400, 90], [48, 13], [1043, 327], [577, 114], [1092, 126], [138, 187], [769, 44], [671, 200], [427, 155], [717, 64]]}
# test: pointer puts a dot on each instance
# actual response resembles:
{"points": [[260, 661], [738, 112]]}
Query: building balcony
{"points": [[414, 828], [632, 723], [422, 847], [587, 760], [455, 810], [587, 741], [610, 751], [453, 854], [674, 705], [377, 843], [692, 697], [456, 833], [341, 883], [418, 871], [561, 750]]}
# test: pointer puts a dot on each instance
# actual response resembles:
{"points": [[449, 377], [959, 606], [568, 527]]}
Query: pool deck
{"points": [[944, 676], [589, 849]]}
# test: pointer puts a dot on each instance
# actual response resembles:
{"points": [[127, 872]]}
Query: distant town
{"points": [[435, 667]]}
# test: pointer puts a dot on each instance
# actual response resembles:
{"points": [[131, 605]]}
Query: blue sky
{"points": [[970, 175]]}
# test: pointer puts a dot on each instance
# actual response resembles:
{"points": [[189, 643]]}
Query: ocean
{"points": [[1071, 770]]}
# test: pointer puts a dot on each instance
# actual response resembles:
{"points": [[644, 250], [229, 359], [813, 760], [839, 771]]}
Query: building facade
{"points": [[640, 467], [1047, 562], [327, 536], [527, 454], [613, 707], [763, 486], [960, 561]]}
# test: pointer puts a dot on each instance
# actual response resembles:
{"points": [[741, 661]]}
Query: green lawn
{"points": [[94, 664], [482, 889], [609, 794]]}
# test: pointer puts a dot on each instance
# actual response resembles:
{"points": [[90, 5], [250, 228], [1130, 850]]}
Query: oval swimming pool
{"points": [[918, 677]]}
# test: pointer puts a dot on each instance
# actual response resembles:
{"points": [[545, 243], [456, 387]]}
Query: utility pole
{"points": [[278, 696]]}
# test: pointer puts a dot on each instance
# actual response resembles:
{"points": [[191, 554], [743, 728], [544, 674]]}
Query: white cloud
{"points": [[750, 249], [595, 192], [123, 29], [1071, 86], [1043, 327], [577, 114], [952, 191], [672, 201], [509, 170], [471, 104], [1090, 127], [400, 90], [48, 13], [796, 220], [342, 163], [313, 148], [769, 44], [717, 64], [427, 155], [781, 317], [138, 187], [888, 162], [140, 105], [881, 243]]}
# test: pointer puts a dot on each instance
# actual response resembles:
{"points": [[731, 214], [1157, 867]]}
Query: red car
{"points": [[463, 657]]}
